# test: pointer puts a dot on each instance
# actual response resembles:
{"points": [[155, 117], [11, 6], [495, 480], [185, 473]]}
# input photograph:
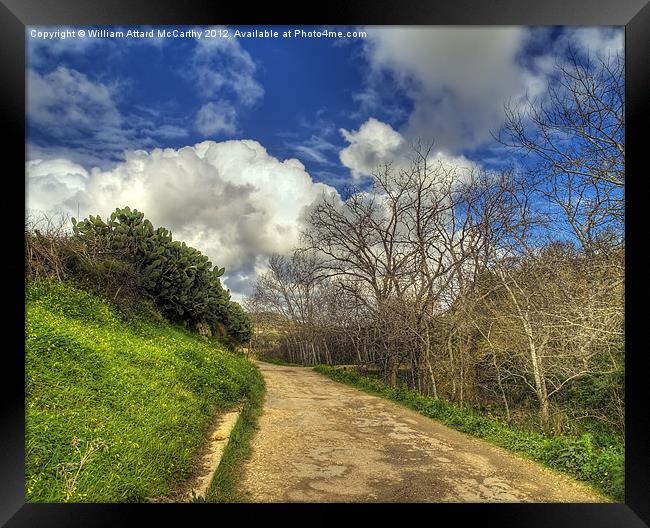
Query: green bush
{"points": [[238, 324], [181, 281]]}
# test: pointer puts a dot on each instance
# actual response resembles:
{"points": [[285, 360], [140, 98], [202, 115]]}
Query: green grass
{"points": [[225, 485], [130, 397], [602, 467]]}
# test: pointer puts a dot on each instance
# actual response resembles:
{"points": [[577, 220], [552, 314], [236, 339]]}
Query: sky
{"points": [[226, 137]]}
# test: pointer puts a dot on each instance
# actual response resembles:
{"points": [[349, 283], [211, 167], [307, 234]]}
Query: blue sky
{"points": [[118, 121], [308, 92]]}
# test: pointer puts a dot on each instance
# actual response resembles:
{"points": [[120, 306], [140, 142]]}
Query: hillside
{"points": [[117, 404]]}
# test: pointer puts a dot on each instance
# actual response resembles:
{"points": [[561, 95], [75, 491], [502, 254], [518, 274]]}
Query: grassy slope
{"points": [[143, 387], [602, 467]]}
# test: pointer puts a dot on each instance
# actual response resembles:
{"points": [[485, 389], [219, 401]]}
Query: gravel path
{"points": [[321, 441]]}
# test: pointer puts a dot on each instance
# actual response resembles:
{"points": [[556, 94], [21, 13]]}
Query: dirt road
{"points": [[325, 442]]}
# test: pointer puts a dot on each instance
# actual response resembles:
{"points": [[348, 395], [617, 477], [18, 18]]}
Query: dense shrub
{"points": [[238, 324], [178, 278]]}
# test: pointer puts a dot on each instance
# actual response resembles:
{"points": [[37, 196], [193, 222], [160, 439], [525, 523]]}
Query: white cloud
{"points": [[372, 145], [81, 113], [376, 143], [66, 101], [222, 64], [222, 70], [601, 42], [458, 79], [40, 50], [84, 156], [231, 200], [52, 182], [216, 118], [316, 148], [310, 153]]}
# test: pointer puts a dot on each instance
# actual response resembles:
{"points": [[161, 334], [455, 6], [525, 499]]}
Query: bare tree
{"points": [[487, 287], [576, 133]]}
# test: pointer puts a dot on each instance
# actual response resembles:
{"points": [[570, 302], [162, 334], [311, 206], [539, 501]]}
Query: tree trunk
{"points": [[503, 392], [544, 413], [392, 370], [427, 346], [450, 348], [539, 377], [536, 363]]}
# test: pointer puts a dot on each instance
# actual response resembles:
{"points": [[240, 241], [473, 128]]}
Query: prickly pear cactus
{"points": [[181, 280]]}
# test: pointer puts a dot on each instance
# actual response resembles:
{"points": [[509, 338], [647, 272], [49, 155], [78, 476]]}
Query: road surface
{"points": [[321, 441]]}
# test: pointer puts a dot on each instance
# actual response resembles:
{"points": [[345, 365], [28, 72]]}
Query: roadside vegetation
{"points": [[225, 485], [125, 368], [588, 458]]}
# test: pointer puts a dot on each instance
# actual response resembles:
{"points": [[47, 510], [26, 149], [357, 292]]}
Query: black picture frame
{"points": [[16, 14]]}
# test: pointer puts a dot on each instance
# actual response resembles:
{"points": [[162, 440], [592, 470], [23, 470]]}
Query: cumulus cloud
{"points": [[458, 79], [373, 144], [84, 156], [53, 182], [231, 200], [376, 143]]}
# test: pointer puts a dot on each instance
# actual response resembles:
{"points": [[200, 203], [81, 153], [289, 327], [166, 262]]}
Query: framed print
{"points": [[373, 253]]}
